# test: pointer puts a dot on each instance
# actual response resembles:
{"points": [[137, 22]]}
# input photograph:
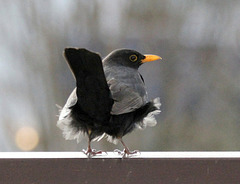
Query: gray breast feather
{"points": [[125, 99]]}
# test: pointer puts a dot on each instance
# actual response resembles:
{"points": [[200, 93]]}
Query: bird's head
{"points": [[129, 58]]}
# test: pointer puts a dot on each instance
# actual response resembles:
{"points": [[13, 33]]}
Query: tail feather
{"points": [[94, 97], [89, 105]]}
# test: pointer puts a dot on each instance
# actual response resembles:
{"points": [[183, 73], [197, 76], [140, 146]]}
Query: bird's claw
{"points": [[119, 152], [127, 153], [93, 152]]}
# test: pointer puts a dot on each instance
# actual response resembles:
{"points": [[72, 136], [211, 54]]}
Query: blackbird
{"points": [[110, 97]]}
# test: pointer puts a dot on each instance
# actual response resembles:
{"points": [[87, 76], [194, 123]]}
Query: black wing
{"points": [[94, 97]]}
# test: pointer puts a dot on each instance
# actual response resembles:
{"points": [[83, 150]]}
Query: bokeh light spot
{"points": [[27, 138]]}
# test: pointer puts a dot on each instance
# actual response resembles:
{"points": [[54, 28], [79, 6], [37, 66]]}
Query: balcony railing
{"points": [[149, 167]]}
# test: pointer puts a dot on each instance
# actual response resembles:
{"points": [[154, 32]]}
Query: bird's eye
{"points": [[133, 58]]}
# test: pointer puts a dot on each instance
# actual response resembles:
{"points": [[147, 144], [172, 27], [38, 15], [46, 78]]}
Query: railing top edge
{"points": [[109, 155]]}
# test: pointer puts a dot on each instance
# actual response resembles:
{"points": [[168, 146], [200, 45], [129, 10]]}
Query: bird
{"points": [[110, 98]]}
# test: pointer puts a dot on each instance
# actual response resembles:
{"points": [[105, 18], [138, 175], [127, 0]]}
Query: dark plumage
{"points": [[109, 98]]}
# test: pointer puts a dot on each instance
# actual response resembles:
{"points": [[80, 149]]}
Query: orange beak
{"points": [[149, 58]]}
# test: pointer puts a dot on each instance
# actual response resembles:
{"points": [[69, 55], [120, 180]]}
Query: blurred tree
{"points": [[198, 80]]}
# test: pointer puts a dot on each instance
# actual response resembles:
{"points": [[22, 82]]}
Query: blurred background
{"points": [[198, 79]]}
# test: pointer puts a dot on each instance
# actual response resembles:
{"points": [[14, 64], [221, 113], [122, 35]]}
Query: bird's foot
{"points": [[92, 152], [127, 153]]}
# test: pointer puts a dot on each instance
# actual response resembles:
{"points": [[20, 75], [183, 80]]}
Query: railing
{"points": [[149, 167]]}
